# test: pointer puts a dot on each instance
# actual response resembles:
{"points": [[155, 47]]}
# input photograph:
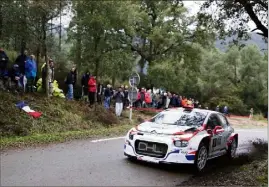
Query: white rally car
{"points": [[183, 136]]}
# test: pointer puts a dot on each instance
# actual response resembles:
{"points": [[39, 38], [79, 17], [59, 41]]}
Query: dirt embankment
{"points": [[245, 170]]}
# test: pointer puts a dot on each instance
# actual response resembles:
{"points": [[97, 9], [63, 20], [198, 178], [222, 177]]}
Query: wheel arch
{"points": [[196, 142], [234, 136]]}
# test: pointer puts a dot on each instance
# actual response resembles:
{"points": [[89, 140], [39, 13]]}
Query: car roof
{"points": [[181, 109]]}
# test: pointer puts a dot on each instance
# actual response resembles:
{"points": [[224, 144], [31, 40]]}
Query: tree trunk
{"points": [[1, 21], [97, 69], [44, 45], [260, 26], [79, 47], [37, 60], [60, 33]]}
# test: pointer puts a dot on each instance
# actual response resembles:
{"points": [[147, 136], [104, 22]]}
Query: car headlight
{"points": [[181, 143], [131, 134]]}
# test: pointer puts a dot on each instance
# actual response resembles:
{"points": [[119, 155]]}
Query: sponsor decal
{"points": [[191, 155], [183, 151], [143, 146]]}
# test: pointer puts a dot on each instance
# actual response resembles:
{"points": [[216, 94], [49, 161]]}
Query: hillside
{"points": [[60, 121], [255, 39]]}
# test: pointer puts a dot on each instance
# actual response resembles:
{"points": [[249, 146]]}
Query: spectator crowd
{"points": [[22, 77]]}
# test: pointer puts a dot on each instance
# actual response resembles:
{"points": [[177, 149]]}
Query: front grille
{"points": [[152, 149]]}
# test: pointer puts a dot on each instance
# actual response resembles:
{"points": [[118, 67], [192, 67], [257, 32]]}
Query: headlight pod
{"points": [[181, 143]]}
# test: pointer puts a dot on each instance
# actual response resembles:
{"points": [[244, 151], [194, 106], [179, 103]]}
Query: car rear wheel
{"points": [[201, 158], [232, 149]]}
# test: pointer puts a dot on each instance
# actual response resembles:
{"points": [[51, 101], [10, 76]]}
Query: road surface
{"points": [[92, 163]]}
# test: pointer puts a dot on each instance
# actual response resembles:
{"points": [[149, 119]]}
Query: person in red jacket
{"points": [[92, 89]]}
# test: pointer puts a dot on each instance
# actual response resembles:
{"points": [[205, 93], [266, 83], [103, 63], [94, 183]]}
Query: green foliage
{"points": [[237, 78], [105, 37], [230, 17]]}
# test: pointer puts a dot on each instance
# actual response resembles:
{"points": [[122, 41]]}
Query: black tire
{"points": [[231, 153], [202, 153]]}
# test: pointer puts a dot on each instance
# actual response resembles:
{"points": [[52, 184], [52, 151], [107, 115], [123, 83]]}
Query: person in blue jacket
{"points": [[30, 73]]}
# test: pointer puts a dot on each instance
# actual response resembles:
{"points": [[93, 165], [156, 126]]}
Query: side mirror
{"points": [[218, 129]]}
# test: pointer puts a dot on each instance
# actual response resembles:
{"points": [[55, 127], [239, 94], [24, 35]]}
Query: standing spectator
{"points": [[3, 61], [15, 75], [154, 98], [168, 98], [107, 95], [217, 108], [70, 81], [164, 98], [251, 111], [30, 73], [180, 101], [21, 60], [84, 83], [226, 110], [99, 93], [159, 101], [173, 101], [142, 98], [50, 75], [126, 96], [196, 104], [184, 101], [119, 97], [92, 89], [177, 101], [148, 99]]}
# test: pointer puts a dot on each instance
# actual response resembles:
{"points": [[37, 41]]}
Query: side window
{"points": [[223, 120], [213, 121]]}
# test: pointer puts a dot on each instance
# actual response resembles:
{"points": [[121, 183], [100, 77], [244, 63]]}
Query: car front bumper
{"points": [[173, 155]]}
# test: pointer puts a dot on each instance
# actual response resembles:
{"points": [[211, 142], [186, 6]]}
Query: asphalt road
{"points": [[93, 163]]}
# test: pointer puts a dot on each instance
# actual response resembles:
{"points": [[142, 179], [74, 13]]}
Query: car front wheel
{"points": [[201, 158], [232, 149]]}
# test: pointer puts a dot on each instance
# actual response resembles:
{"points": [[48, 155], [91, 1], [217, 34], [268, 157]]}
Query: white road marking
{"points": [[107, 139]]}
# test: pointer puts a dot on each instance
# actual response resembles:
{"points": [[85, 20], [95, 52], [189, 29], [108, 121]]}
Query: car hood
{"points": [[151, 127]]}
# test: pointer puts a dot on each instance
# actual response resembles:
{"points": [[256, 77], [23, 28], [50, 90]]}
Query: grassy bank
{"points": [[60, 121], [245, 170], [41, 139]]}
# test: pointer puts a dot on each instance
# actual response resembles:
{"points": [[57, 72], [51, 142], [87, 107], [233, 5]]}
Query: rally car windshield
{"points": [[181, 119]]}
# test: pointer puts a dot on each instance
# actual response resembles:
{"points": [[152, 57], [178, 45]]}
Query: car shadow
{"points": [[219, 163]]}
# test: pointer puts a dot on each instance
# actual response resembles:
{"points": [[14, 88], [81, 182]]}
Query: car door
{"points": [[216, 139], [226, 133]]}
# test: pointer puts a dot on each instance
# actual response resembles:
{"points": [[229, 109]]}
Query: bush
{"points": [[258, 117], [235, 104], [103, 116]]}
